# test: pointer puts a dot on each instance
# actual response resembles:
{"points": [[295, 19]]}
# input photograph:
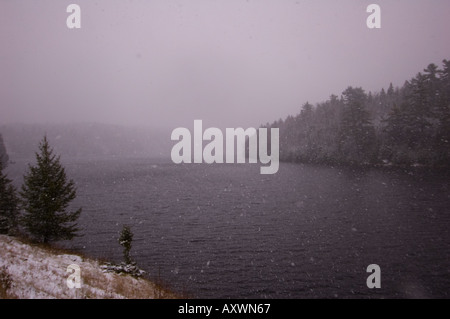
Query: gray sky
{"points": [[164, 63]]}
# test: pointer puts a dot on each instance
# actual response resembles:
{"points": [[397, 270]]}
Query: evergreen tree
{"points": [[419, 110], [357, 135], [3, 154], [432, 85], [125, 240], [46, 195], [443, 114], [396, 136], [8, 204], [390, 91], [307, 110], [444, 77]]}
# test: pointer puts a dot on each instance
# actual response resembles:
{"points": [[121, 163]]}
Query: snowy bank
{"points": [[33, 272]]}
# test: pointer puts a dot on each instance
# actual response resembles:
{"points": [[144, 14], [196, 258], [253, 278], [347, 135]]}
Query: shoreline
{"points": [[33, 271], [380, 166]]}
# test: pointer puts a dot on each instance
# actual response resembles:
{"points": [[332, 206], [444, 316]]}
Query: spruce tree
{"points": [[125, 240], [8, 204], [46, 195], [443, 114], [3, 154], [357, 135]]}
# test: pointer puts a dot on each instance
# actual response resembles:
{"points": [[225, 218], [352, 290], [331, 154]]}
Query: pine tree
{"points": [[46, 195], [3, 154], [419, 110], [443, 115], [8, 204], [125, 240], [357, 136], [390, 91]]}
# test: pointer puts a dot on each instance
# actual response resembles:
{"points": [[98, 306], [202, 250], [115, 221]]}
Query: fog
{"points": [[162, 64]]}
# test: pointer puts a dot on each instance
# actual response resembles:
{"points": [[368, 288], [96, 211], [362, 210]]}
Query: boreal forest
{"points": [[400, 126]]}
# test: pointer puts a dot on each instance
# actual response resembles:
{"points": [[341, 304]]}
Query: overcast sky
{"points": [[164, 63]]}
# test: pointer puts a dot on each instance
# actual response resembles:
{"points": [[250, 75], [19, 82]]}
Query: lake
{"points": [[225, 231]]}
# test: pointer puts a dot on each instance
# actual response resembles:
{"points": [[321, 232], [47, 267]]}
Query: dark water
{"points": [[225, 231]]}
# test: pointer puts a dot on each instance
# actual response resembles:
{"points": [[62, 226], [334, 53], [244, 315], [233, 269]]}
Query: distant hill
{"points": [[85, 140], [3, 154]]}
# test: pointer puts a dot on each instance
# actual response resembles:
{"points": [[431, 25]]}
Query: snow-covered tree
{"points": [[357, 135], [126, 239], [3, 154], [8, 204], [46, 195]]}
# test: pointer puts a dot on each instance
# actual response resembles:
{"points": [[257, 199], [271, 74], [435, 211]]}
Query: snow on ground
{"points": [[40, 273]]}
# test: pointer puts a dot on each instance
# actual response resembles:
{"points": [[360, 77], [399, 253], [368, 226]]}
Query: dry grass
{"points": [[5, 283], [36, 271]]}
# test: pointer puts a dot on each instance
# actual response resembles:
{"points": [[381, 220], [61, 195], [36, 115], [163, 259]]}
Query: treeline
{"points": [[399, 126], [3, 154]]}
